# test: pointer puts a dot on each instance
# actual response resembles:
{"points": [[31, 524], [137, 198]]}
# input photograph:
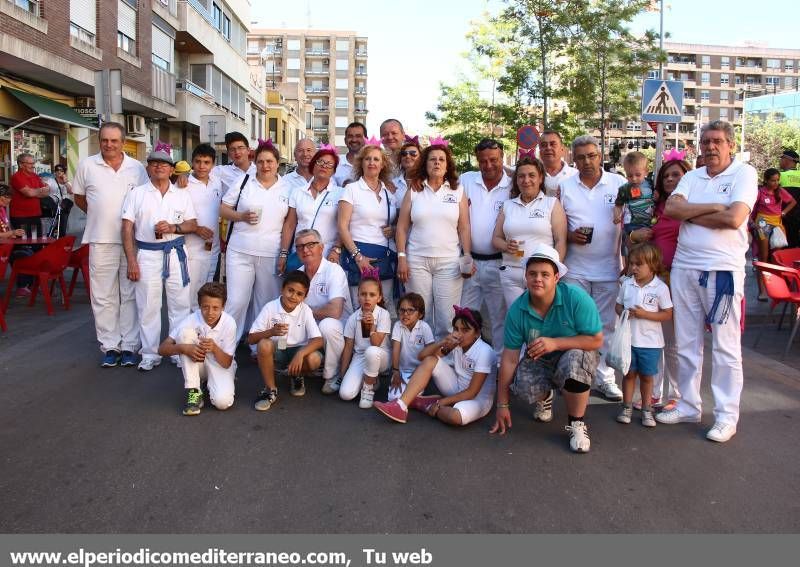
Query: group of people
{"points": [[319, 263]]}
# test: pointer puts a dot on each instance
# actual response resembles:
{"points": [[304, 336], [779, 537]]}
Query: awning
{"points": [[50, 109]]}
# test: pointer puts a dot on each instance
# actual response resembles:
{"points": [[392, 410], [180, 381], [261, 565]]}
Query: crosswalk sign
{"points": [[662, 101]]}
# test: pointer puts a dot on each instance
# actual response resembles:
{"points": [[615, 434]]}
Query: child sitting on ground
{"points": [[205, 342], [410, 335], [286, 336]]}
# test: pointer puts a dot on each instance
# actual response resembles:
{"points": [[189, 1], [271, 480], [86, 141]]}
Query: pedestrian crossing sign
{"points": [[662, 101]]}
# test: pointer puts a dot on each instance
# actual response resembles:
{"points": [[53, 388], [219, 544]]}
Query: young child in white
{"points": [[462, 366], [409, 336], [366, 344], [648, 303], [286, 336], [205, 342]]}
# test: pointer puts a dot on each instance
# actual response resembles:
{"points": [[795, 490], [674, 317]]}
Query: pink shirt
{"points": [[767, 204], [665, 234]]}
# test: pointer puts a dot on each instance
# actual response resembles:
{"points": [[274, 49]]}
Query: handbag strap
{"points": [[388, 213], [319, 207], [236, 206]]}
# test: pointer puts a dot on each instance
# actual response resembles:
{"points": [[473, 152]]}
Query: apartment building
{"points": [[171, 54], [717, 80], [330, 68]]}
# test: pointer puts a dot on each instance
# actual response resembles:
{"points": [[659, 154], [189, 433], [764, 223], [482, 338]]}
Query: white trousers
{"points": [[668, 367], [371, 362], [387, 289], [333, 334], [149, 291], [249, 276], [512, 278], [485, 287], [692, 303], [113, 298], [220, 380], [448, 383], [439, 282], [202, 265], [605, 297]]}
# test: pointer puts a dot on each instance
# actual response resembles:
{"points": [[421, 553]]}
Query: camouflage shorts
{"points": [[533, 379]]}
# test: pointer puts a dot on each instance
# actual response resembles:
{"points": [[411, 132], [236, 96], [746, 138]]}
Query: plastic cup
{"points": [[366, 328], [588, 231], [465, 264], [257, 211], [34, 233], [283, 340], [520, 252], [208, 245]]}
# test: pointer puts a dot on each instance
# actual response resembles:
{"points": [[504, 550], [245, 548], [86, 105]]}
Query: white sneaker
{"points": [[331, 385], [176, 360], [367, 395], [578, 437], [147, 364], [610, 391], [543, 411], [674, 416], [721, 432]]}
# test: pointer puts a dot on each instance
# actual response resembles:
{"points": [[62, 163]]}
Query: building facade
{"points": [[329, 67]]}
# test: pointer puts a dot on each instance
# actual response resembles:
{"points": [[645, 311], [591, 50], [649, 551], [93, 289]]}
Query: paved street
{"points": [[87, 449]]}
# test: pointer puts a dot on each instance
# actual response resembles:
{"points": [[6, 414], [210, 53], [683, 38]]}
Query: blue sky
{"points": [[415, 44]]}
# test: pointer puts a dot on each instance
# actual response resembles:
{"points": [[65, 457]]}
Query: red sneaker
{"points": [[392, 410], [423, 403]]}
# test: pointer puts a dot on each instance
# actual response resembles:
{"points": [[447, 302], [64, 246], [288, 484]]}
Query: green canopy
{"points": [[50, 109]]}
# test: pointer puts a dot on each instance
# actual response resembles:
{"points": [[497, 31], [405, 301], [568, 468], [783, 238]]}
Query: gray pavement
{"points": [[86, 449]]}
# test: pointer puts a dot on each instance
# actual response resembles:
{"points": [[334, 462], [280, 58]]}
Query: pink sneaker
{"points": [[423, 403], [655, 403], [392, 410]]}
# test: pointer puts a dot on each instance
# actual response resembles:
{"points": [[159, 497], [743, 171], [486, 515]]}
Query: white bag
{"points": [[778, 238], [618, 356]]}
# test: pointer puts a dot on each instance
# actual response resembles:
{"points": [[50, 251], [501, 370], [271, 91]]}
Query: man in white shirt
{"points": [[329, 300], [355, 135], [392, 137], [303, 152], [238, 148], [552, 152], [203, 244], [154, 218], [593, 243], [486, 191], [100, 185], [707, 278]]}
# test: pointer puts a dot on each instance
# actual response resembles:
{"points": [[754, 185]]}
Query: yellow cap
{"points": [[182, 167]]}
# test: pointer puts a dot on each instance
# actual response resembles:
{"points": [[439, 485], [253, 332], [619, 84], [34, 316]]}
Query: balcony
{"points": [[361, 92], [361, 53], [321, 108], [320, 127], [163, 84], [322, 89], [168, 8], [318, 52], [316, 71], [361, 72], [361, 111]]}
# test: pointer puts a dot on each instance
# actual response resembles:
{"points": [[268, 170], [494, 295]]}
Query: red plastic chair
{"points": [[5, 255], [3, 322], [79, 262], [778, 284], [786, 257], [48, 264]]}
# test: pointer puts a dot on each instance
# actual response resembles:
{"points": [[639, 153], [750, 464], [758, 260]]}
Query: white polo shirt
{"points": [[412, 341], [400, 189], [105, 191], [434, 221], [383, 324], [264, 238], [551, 182], [653, 297], [716, 249], [229, 173], [223, 333], [206, 199], [369, 214], [318, 213], [294, 179], [302, 327], [145, 206], [328, 283], [344, 172], [529, 222], [599, 261], [484, 206], [479, 358]]}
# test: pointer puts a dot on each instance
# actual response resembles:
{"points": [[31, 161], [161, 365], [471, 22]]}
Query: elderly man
{"points": [[355, 136], [155, 217], [707, 278], [552, 152], [303, 152], [486, 190], [100, 185], [329, 300], [561, 330], [593, 242], [790, 180], [392, 136], [27, 187]]}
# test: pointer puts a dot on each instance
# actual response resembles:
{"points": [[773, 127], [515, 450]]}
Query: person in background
{"points": [[303, 153], [552, 153], [355, 136], [100, 186], [772, 205], [392, 136], [28, 188], [409, 154], [238, 148], [8, 231], [790, 180], [61, 193]]}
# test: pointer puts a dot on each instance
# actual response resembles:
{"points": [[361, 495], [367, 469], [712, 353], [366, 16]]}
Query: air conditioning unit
{"points": [[135, 125], [326, 61]]}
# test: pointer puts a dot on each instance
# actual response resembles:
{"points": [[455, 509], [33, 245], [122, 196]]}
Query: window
{"points": [[705, 60], [162, 52], [308, 120], [293, 45], [773, 81], [704, 113], [724, 79], [773, 63], [652, 74], [125, 43], [723, 113], [273, 129], [29, 6], [126, 27], [725, 62], [342, 45], [705, 78], [342, 121], [788, 65], [342, 64], [738, 79], [723, 96], [788, 82], [293, 63], [226, 27], [216, 16], [83, 20], [704, 96], [253, 46], [342, 83], [341, 102]]}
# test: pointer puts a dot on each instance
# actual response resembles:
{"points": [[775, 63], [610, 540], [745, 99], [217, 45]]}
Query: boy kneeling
{"points": [[206, 342], [286, 336]]}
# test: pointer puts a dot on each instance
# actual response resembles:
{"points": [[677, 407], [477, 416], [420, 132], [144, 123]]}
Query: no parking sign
{"points": [[528, 137]]}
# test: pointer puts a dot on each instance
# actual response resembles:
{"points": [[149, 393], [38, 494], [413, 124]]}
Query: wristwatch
{"points": [[337, 249], [178, 229]]}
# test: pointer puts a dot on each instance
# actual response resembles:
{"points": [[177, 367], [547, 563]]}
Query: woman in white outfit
{"points": [[367, 215], [409, 154], [528, 218], [258, 208], [432, 229]]}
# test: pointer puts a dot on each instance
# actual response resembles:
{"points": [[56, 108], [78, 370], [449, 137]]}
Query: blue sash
{"points": [[167, 247]]}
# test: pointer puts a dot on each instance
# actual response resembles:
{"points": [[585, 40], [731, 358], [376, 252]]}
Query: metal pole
{"points": [[744, 116], [660, 129]]}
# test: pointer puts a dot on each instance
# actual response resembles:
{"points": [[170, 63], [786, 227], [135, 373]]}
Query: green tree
{"points": [[765, 139]]}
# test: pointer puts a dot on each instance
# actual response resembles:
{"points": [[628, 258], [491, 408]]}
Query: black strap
{"points": [[236, 206]]}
